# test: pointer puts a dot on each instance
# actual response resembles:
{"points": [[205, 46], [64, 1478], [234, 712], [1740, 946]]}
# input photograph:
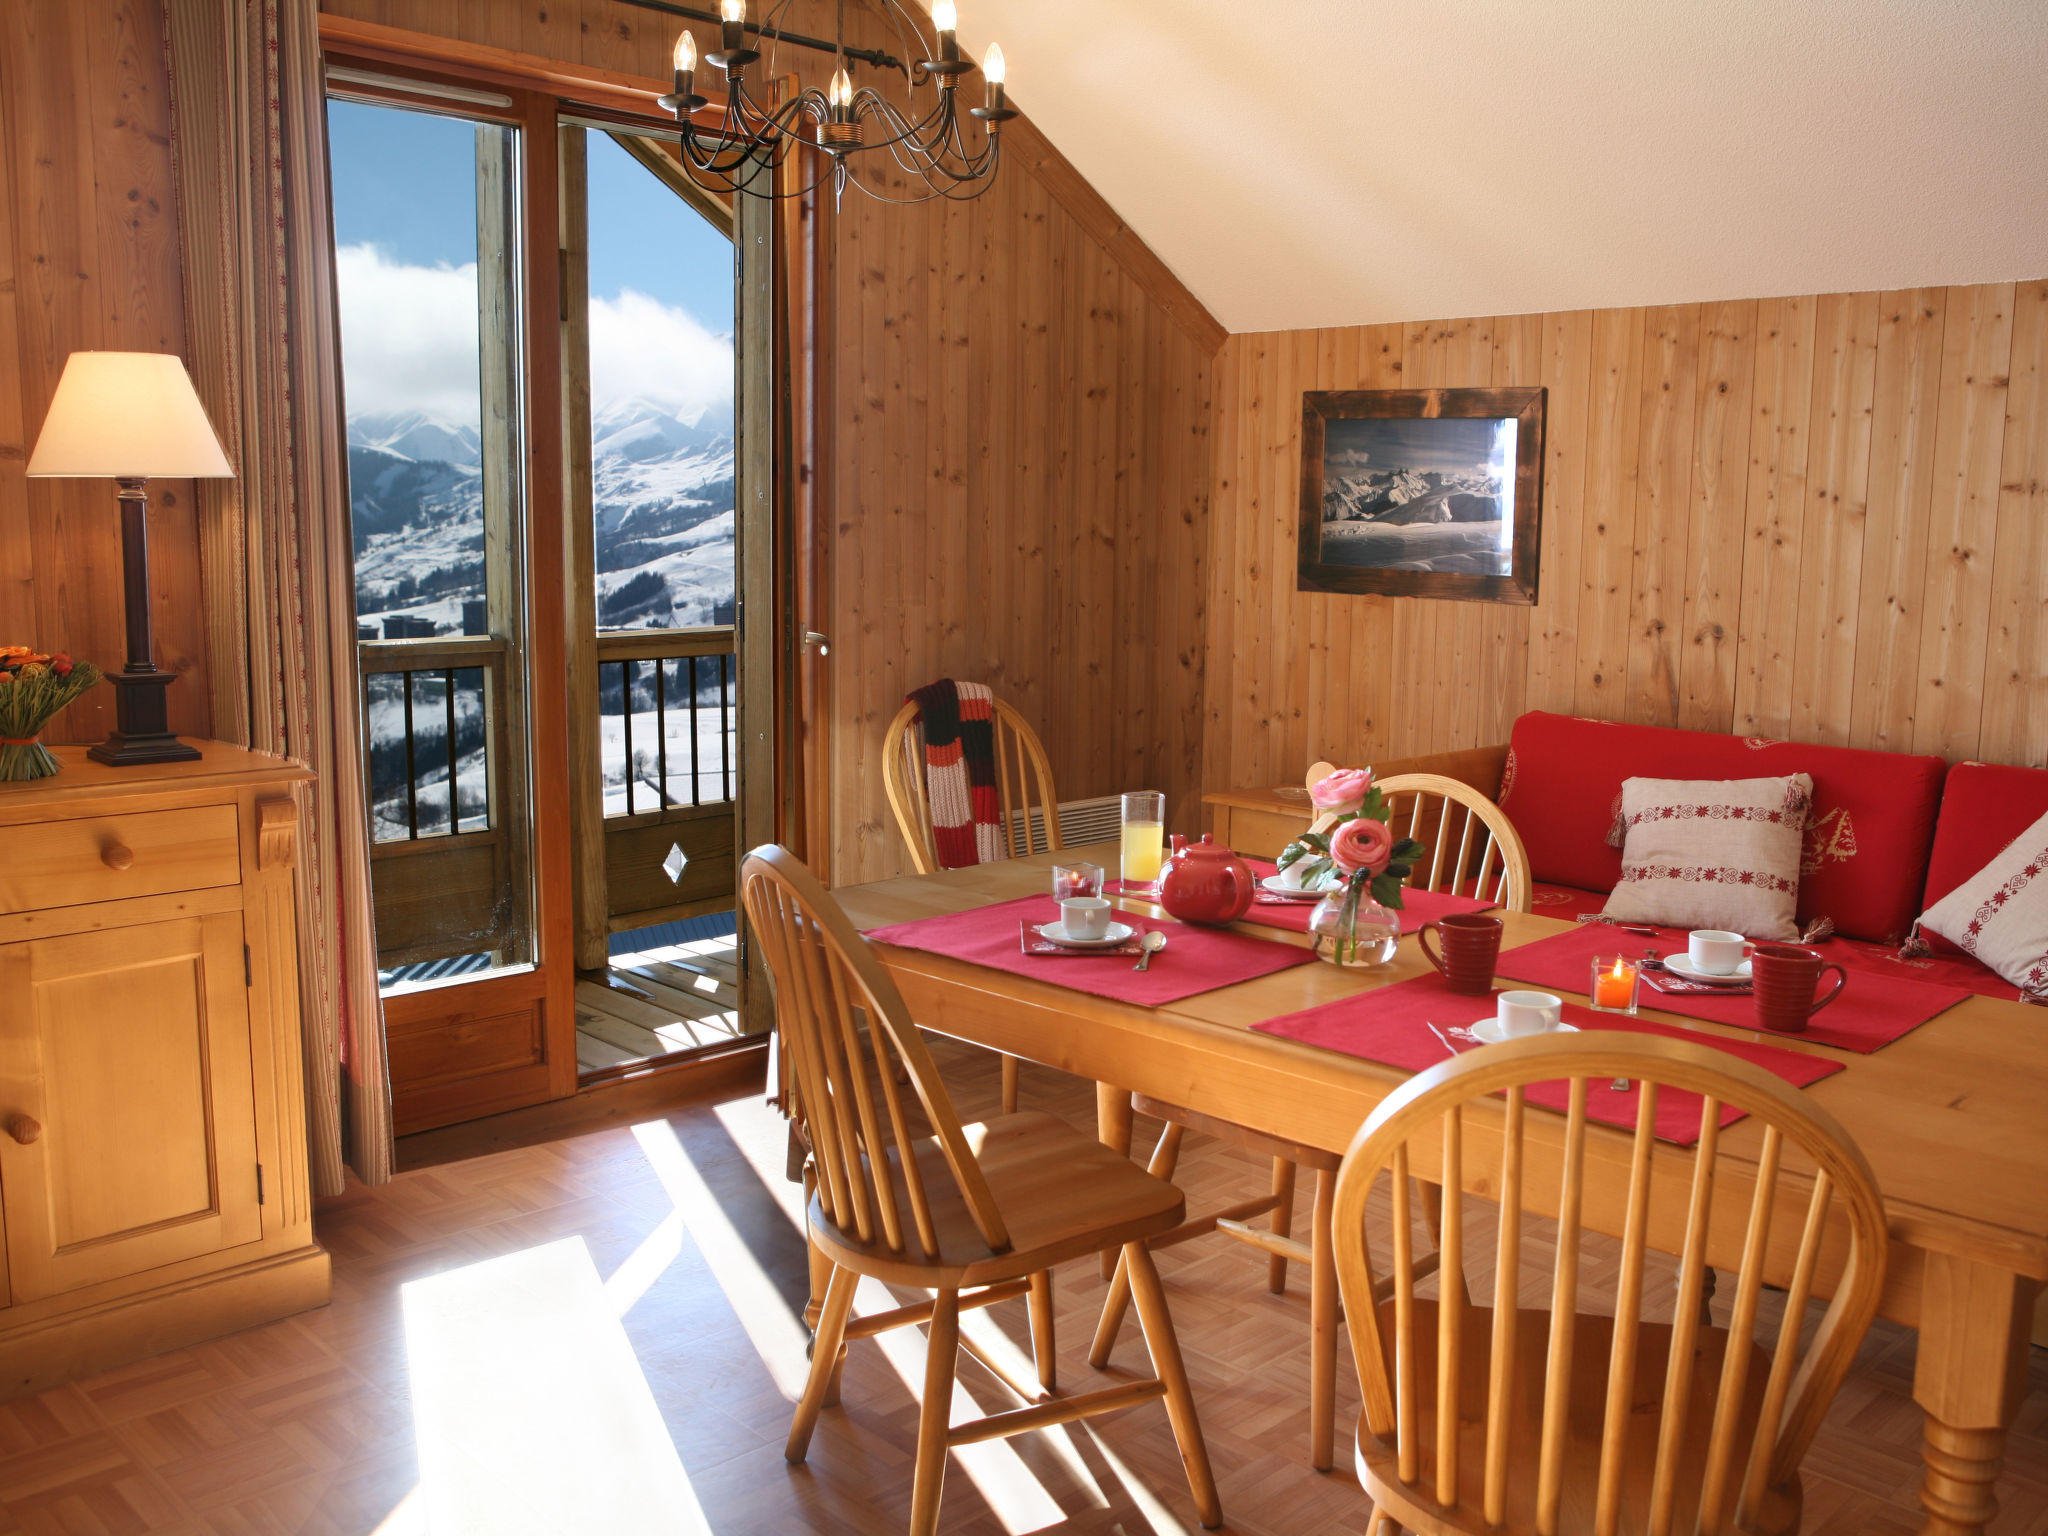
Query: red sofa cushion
{"points": [[1984, 806], [1866, 844]]}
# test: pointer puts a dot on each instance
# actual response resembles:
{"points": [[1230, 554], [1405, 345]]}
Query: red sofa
{"points": [[1890, 832]]}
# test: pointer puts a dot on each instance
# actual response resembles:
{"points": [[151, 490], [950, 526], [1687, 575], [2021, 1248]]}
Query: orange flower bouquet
{"points": [[33, 687]]}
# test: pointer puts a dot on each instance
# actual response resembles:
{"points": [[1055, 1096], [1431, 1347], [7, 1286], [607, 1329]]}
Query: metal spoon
{"points": [[1153, 942]]}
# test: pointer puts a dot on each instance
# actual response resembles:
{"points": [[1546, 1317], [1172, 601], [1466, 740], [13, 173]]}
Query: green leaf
{"points": [[1386, 890]]}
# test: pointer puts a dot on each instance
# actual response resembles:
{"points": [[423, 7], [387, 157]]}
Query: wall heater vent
{"points": [[1081, 821]]}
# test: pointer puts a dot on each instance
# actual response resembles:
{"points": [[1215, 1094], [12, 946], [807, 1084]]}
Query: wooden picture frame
{"points": [[1446, 546]]}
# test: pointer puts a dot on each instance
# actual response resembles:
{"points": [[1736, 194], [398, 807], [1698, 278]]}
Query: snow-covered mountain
{"points": [[663, 497]]}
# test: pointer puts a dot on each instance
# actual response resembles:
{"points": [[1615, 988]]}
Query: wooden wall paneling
{"points": [[1963, 530], [1090, 695], [1607, 542], [1720, 483], [1269, 412], [2015, 724], [1321, 622], [48, 82], [1141, 549], [1024, 468], [1831, 535], [1226, 595], [17, 545], [1773, 515], [1671, 345], [1554, 624], [1901, 489], [1295, 643]]}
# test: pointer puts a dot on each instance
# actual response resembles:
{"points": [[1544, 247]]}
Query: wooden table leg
{"points": [[1970, 1374], [1112, 1129]]}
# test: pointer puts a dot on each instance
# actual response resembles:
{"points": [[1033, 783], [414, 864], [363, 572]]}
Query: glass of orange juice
{"points": [[1144, 840]]}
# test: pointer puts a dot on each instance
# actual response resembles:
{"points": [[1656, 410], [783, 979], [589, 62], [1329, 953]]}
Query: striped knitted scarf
{"points": [[960, 771]]}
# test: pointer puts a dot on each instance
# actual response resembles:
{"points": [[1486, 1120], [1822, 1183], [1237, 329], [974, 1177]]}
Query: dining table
{"points": [[1952, 1116]]}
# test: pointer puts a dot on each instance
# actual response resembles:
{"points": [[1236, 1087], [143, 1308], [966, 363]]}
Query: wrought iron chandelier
{"points": [[743, 151]]}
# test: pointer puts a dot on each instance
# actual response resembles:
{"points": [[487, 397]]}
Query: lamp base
{"points": [[141, 723]]}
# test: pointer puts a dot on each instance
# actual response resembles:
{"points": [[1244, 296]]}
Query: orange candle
{"points": [[1614, 985]]}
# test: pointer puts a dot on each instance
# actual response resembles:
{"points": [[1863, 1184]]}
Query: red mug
{"points": [[1471, 949], [1784, 978]]}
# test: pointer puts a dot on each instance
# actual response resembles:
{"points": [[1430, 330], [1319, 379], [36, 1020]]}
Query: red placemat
{"points": [[1195, 959], [1391, 1026], [1874, 1009], [1417, 907]]}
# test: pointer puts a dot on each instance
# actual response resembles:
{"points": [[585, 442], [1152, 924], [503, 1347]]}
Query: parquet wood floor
{"points": [[306, 1425]]}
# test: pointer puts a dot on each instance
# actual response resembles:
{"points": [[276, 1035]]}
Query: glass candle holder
{"points": [[1617, 983], [1072, 880]]}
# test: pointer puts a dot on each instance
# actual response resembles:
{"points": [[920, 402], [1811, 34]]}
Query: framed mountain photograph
{"points": [[1421, 492]]}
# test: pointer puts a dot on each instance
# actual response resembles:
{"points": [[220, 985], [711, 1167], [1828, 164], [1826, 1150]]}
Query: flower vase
{"points": [[1350, 929], [30, 759]]}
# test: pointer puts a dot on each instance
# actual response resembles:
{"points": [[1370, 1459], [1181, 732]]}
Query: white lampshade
{"points": [[131, 414]]}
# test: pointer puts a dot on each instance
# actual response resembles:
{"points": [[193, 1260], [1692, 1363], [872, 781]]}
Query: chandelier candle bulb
{"points": [[947, 20], [996, 73]]}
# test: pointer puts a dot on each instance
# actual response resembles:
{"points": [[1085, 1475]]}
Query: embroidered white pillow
{"points": [[1712, 853], [2000, 914]]}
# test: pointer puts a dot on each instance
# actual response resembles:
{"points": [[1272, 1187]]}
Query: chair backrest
{"points": [[1538, 1163], [1426, 806], [1031, 818], [843, 1027]]}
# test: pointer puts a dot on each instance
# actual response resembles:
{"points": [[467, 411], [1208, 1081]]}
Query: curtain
{"points": [[249, 150]]}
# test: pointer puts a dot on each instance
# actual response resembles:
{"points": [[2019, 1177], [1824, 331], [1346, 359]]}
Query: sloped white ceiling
{"points": [[1333, 162]]}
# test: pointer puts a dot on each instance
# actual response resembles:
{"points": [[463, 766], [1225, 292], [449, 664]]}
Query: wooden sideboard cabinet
{"points": [[154, 1186]]}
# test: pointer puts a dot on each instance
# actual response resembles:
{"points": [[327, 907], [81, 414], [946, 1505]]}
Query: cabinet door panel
{"points": [[131, 1048]]}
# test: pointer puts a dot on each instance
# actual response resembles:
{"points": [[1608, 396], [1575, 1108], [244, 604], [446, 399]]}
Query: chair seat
{"points": [[1063, 1194], [1415, 1505]]}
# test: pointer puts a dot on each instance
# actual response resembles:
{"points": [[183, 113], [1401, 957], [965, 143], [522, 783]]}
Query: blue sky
{"points": [[405, 182], [405, 226]]}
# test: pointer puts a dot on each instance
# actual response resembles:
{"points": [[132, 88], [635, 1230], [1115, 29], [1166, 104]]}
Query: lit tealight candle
{"points": [[1614, 984]]}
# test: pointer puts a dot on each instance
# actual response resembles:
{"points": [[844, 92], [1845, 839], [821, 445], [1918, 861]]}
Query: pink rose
{"points": [[1343, 791], [1362, 844]]}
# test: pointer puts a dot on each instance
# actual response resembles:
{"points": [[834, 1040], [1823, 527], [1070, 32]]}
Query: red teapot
{"points": [[1206, 883]]}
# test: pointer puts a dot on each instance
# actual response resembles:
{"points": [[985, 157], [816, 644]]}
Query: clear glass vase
{"points": [[1350, 929]]}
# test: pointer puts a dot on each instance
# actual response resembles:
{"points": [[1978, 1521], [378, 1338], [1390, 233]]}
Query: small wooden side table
{"points": [[1259, 822]]}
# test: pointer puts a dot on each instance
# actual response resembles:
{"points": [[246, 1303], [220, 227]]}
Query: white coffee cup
{"points": [[1715, 951], [1085, 917], [1529, 1013]]}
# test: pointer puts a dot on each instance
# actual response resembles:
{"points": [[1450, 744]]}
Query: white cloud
{"points": [[643, 349], [409, 343], [408, 336]]}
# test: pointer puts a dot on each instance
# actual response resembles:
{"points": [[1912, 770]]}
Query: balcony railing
{"points": [[668, 720], [431, 708]]}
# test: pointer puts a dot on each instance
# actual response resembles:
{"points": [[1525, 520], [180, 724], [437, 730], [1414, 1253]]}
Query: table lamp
{"points": [[127, 416]]}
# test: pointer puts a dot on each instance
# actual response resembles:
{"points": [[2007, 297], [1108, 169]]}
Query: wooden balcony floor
{"points": [[309, 1425], [658, 1002]]}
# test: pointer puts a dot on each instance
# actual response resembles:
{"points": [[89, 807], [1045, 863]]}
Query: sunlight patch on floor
{"points": [[531, 1412], [778, 1336]]}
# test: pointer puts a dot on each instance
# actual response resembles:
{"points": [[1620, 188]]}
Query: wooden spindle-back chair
{"points": [[1503, 1419], [1024, 790], [1478, 853], [905, 1193], [1024, 787]]}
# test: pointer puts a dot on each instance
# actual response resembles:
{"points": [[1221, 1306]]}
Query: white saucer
{"points": [[1055, 932], [1487, 1031], [1680, 964], [1272, 887]]}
